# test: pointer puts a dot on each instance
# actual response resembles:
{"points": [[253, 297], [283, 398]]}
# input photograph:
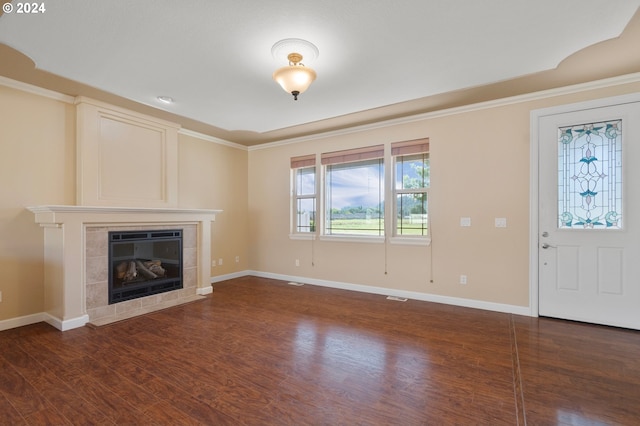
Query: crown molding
{"points": [[30, 88], [534, 96], [50, 94], [544, 94], [213, 139]]}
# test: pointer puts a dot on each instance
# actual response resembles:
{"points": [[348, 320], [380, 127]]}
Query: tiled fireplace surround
{"points": [[97, 276], [76, 260]]}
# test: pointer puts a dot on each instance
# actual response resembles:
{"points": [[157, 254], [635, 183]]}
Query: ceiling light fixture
{"points": [[296, 77]]}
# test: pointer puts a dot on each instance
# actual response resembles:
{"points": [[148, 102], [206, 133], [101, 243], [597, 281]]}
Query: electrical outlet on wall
{"points": [[213, 263], [501, 222], [220, 261]]}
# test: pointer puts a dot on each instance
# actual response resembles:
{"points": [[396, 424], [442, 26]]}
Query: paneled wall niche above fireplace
{"points": [[75, 236], [143, 263]]}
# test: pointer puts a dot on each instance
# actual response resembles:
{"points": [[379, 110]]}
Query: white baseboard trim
{"points": [[425, 297], [203, 291], [64, 325], [233, 275], [45, 317], [21, 321]]}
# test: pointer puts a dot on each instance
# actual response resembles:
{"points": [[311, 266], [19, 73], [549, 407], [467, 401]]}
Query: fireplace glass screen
{"points": [[143, 263]]}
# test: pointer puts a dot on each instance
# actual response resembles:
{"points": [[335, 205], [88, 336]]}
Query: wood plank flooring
{"points": [[261, 352]]}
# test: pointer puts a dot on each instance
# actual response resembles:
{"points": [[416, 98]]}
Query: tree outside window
{"points": [[411, 187]]}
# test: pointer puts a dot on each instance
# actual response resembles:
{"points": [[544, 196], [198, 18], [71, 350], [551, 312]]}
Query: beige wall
{"points": [[479, 169], [38, 166], [214, 176]]}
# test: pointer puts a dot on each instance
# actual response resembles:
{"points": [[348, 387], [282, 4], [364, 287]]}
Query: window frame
{"points": [[388, 161], [356, 155], [399, 150], [300, 163]]}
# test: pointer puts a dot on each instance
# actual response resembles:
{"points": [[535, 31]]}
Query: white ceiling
{"points": [[214, 57]]}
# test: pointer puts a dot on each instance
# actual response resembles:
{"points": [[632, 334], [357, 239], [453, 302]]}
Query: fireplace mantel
{"points": [[48, 214], [65, 229]]}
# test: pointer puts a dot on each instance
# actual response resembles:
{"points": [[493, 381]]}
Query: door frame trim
{"points": [[534, 173]]}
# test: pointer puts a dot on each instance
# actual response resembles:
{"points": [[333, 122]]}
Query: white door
{"points": [[589, 215]]}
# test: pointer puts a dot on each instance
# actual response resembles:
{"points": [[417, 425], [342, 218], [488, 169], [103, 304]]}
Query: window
{"points": [[304, 191], [354, 197], [411, 187], [354, 185], [590, 176]]}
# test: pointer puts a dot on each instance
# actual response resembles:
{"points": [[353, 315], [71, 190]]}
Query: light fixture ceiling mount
{"points": [[296, 77]]}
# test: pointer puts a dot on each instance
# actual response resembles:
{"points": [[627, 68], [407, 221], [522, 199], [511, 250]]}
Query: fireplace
{"points": [[144, 263], [77, 269]]}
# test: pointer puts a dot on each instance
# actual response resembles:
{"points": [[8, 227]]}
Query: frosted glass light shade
{"points": [[294, 78]]}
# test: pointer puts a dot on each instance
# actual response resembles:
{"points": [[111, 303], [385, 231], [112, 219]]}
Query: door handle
{"points": [[546, 246]]}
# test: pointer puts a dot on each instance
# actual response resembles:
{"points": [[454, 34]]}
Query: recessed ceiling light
{"points": [[165, 99]]}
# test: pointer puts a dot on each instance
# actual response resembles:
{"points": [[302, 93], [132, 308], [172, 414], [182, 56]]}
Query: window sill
{"points": [[411, 241], [304, 237], [407, 241], [353, 238]]}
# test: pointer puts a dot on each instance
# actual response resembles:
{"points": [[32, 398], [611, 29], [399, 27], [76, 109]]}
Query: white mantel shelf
{"points": [[52, 214], [65, 229]]}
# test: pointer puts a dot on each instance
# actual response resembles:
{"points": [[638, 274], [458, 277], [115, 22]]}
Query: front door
{"points": [[589, 214]]}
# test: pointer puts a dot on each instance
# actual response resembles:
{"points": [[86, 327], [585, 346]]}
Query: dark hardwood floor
{"points": [[262, 352]]}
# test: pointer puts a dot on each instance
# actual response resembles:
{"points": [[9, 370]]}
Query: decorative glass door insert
{"points": [[590, 176]]}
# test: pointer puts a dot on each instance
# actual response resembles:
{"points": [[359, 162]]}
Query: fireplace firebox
{"points": [[143, 263]]}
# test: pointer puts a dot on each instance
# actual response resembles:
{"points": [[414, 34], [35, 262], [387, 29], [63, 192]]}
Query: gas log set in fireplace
{"points": [[128, 271], [143, 263]]}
